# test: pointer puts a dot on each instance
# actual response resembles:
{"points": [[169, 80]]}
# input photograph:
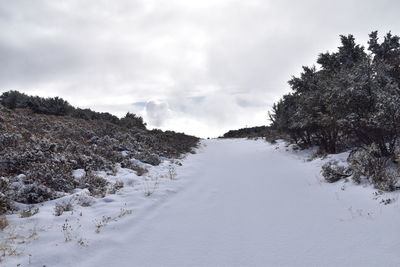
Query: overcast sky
{"points": [[201, 67]]}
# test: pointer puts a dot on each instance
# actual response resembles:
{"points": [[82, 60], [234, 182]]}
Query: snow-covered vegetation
{"points": [[349, 102], [41, 150], [39, 234], [233, 203], [249, 132]]}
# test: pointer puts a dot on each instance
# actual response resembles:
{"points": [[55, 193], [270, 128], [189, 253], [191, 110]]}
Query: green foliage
{"points": [[351, 99]]}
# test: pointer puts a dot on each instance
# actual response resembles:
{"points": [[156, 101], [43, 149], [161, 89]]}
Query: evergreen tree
{"points": [[351, 99]]}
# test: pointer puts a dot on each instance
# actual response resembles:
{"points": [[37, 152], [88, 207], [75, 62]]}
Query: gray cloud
{"points": [[202, 67]]}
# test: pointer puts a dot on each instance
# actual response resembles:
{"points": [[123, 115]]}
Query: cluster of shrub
{"points": [[350, 101], [247, 132], [39, 151], [265, 132], [60, 107]]}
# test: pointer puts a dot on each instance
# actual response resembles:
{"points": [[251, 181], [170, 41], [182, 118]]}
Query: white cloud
{"points": [[156, 113]]}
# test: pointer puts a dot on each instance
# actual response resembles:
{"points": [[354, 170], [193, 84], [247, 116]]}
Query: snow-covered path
{"points": [[250, 205], [235, 203]]}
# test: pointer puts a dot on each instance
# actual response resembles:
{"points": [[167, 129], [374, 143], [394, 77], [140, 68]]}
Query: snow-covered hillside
{"points": [[234, 203]]}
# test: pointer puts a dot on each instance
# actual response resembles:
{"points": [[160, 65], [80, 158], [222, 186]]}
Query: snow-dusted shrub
{"points": [[14, 99], [89, 161], [132, 121], [332, 171], [3, 203], [4, 200], [42, 177], [272, 136], [53, 106], [9, 140], [96, 184], [103, 141], [116, 187], [149, 158], [31, 193], [84, 199], [251, 132], [60, 208], [127, 163], [29, 212], [368, 164], [55, 176]]}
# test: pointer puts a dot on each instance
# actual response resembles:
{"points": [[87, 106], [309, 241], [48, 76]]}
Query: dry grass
{"points": [[123, 212], [9, 245], [13, 239], [172, 172], [102, 223], [66, 229], [150, 186], [3, 222]]}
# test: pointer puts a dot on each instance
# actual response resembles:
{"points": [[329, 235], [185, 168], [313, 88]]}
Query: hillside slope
{"points": [[39, 152]]}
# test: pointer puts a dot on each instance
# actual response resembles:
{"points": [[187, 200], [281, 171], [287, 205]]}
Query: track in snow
{"points": [[250, 205]]}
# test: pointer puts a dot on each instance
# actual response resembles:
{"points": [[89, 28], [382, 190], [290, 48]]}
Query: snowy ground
{"points": [[234, 203]]}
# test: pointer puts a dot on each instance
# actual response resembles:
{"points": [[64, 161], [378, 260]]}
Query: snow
{"points": [[234, 203]]}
